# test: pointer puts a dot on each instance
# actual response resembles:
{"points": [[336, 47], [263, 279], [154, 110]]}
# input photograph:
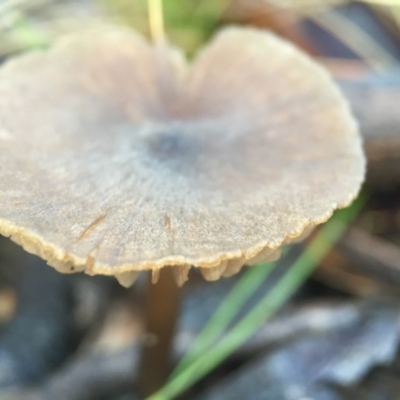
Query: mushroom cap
{"points": [[117, 156]]}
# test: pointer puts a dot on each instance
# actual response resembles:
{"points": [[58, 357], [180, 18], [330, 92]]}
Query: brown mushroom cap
{"points": [[115, 156]]}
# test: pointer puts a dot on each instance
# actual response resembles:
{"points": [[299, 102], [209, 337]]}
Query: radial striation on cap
{"points": [[118, 156]]}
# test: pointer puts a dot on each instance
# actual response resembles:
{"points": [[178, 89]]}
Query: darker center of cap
{"points": [[172, 145], [169, 143]]}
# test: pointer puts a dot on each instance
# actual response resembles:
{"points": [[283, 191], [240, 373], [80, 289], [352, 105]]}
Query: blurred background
{"points": [[77, 337]]}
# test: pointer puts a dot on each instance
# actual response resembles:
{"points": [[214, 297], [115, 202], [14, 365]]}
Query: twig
{"points": [[156, 21]]}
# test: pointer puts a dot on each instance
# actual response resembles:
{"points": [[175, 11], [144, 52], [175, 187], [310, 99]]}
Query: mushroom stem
{"points": [[162, 310]]}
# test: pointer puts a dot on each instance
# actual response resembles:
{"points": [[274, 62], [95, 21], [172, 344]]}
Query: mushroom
{"points": [[116, 156]]}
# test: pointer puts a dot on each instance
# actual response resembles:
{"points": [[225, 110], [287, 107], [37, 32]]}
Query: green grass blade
{"points": [[273, 300], [230, 307]]}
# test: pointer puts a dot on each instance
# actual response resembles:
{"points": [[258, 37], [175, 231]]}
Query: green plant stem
{"points": [[273, 300], [220, 320]]}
